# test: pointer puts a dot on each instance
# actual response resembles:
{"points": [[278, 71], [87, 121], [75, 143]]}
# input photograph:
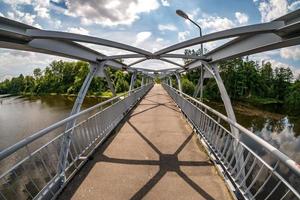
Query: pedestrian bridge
{"points": [[154, 141]]}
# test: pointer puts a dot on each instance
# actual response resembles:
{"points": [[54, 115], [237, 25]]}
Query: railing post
{"points": [[199, 86], [132, 81], [178, 82], [66, 141], [110, 85], [170, 81], [143, 81]]}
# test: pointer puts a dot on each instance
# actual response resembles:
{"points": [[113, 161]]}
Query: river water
{"points": [[23, 116], [280, 130]]}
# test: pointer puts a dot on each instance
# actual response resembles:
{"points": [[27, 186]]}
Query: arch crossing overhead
{"points": [[282, 32]]}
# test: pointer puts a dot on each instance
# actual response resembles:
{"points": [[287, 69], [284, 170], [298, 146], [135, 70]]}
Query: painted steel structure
{"points": [[70, 153]]}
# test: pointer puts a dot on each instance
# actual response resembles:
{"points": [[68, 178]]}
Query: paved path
{"points": [[155, 155]]}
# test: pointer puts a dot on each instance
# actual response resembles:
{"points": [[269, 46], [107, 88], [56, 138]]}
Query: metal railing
{"points": [[256, 169], [29, 169]]}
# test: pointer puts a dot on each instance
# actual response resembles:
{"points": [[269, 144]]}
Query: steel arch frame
{"points": [[282, 32]]}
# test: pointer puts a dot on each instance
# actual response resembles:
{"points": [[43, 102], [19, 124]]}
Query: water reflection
{"points": [[22, 116], [279, 130]]}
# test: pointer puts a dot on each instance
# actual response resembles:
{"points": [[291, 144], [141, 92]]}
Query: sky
{"points": [[148, 24]]}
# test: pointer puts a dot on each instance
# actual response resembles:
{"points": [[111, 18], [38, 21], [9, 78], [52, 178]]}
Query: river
{"points": [[280, 130], [23, 116]]}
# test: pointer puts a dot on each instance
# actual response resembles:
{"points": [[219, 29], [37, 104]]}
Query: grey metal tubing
{"points": [[185, 102], [8, 151], [282, 157]]}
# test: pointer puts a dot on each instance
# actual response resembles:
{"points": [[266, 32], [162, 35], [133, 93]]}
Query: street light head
{"points": [[182, 14]]}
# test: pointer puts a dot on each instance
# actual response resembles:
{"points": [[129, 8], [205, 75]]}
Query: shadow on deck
{"points": [[154, 155]]}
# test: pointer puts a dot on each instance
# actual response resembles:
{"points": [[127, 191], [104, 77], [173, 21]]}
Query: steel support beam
{"points": [[110, 84], [132, 81], [170, 81], [239, 31], [199, 86], [66, 141], [178, 81], [43, 34], [143, 81], [225, 98]]}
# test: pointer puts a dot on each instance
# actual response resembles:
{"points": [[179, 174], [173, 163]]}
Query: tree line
{"points": [[248, 81], [64, 78], [244, 79]]}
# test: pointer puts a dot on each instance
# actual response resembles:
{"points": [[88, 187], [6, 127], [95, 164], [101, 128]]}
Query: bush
{"points": [[187, 86], [122, 85]]}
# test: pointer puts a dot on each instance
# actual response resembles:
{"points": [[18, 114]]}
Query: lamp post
{"points": [[185, 16]]}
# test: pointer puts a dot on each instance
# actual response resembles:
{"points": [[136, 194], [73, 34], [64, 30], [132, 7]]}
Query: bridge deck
{"points": [[155, 155]]}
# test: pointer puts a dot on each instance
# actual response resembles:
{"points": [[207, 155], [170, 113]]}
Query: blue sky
{"points": [[149, 24]]}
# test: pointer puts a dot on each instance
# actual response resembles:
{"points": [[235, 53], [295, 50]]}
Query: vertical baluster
{"points": [[30, 178], [236, 159], [225, 145], [249, 171], [220, 138], [229, 151], [86, 134], [74, 141], [44, 165], [277, 185], [243, 165], [2, 196], [216, 132], [263, 185], [81, 137], [27, 191], [283, 197], [255, 178]]}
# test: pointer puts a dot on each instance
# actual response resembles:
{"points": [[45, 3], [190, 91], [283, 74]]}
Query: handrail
{"points": [[249, 173], [33, 163], [11, 149], [278, 154]]}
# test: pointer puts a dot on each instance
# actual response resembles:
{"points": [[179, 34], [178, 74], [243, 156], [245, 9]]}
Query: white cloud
{"points": [[26, 18], [15, 62], [109, 13], [17, 2], [183, 35], [4, 77], [41, 7], [78, 30], [165, 3], [242, 18], [142, 36], [272, 9], [167, 27], [266, 57], [56, 24], [1, 15], [159, 39], [290, 53], [294, 6], [215, 23]]}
